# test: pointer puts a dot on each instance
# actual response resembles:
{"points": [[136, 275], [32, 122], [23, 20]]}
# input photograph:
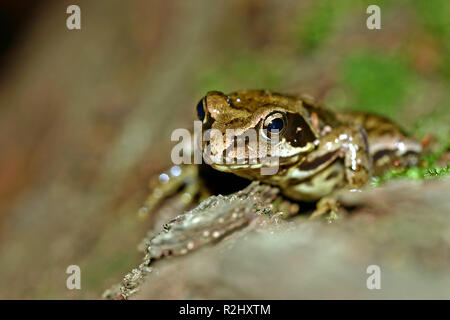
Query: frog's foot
{"points": [[182, 181], [327, 207]]}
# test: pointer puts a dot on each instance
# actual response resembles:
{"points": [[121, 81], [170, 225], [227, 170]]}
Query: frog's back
{"points": [[251, 100]]}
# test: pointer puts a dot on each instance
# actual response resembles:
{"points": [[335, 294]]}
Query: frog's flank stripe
{"points": [[319, 161]]}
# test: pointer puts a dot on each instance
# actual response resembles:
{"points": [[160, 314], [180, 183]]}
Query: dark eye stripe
{"points": [[298, 133], [327, 157]]}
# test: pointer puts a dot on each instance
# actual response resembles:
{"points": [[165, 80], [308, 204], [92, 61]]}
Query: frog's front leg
{"points": [[341, 160], [183, 180], [351, 141]]}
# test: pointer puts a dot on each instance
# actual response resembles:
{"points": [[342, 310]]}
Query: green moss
{"points": [[438, 172], [377, 83], [428, 170]]}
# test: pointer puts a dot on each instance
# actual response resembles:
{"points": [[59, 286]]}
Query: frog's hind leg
{"points": [[389, 146], [178, 179]]}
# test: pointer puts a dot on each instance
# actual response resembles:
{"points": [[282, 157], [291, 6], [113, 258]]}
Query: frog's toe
{"points": [[327, 207], [182, 181]]}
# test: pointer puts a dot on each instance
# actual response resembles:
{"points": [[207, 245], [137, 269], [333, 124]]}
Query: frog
{"points": [[320, 152]]}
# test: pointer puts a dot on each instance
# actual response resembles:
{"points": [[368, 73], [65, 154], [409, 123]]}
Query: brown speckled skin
{"points": [[319, 151]]}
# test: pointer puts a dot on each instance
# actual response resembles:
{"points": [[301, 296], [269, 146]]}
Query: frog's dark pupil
{"points": [[200, 110], [275, 124]]}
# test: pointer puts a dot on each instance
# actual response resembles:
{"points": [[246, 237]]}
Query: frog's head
{"points": [[244, 121]]}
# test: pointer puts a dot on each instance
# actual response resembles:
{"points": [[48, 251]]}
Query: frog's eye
{"points": [[275, 123], [201, 112]]}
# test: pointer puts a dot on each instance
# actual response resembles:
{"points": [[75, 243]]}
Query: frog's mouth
{"points": [[235, 164], [254, 156], [246, 164]]}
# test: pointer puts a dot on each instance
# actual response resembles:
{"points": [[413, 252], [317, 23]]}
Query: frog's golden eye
{"points": [[275, 123], [201, 110]]}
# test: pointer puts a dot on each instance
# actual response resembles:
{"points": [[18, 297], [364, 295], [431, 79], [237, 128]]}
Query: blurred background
{"points": [[86, 115]]}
